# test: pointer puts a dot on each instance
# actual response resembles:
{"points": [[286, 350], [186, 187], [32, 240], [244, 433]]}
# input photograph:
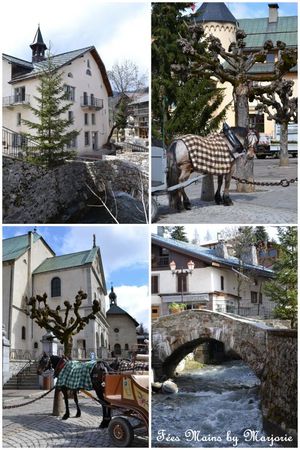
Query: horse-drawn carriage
{"points": [[128, 395], [121, 386]]}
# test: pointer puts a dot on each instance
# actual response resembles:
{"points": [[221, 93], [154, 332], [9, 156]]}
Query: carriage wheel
{"points": [[121, 432]]}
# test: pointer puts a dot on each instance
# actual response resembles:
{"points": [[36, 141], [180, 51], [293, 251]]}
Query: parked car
{"points": [[263, 146]]}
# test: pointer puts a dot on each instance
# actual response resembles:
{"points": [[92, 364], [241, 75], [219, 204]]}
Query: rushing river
{"points": [[214, 407]]}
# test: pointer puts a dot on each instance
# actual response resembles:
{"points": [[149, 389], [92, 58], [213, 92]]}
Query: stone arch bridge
{"points": [[271, 354]]}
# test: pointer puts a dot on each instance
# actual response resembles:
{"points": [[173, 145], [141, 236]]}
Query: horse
{"points": [[180, 163], [97, 375]]}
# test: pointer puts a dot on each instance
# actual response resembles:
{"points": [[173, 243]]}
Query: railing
{"points": [[88, 101], [16, 144], [13, 100], [22, 373], [135, 148]]}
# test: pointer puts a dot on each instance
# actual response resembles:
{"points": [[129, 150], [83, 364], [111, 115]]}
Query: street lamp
{"points": [[181, 271]]}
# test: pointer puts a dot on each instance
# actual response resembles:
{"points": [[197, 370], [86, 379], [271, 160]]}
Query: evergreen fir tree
{"points": [[283, 290], [179, 234], [51, 128], [180, 104]]}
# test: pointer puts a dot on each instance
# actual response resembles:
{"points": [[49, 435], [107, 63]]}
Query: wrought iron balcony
{"points": [[14, 100], [91, 102]]}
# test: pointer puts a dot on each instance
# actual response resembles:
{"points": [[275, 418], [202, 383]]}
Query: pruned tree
{"points": [[64, 324], [234, 66], [280, 105], [52, 129]]}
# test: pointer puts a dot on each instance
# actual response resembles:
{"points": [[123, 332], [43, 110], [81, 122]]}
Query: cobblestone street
{"points": [[34, 426], [268, 204]]}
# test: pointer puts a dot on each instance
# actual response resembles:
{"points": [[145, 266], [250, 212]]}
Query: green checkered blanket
{"points": [[76, 375]]}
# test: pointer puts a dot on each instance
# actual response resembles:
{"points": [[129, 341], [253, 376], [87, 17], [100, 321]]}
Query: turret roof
{"points": [[214, 12]]}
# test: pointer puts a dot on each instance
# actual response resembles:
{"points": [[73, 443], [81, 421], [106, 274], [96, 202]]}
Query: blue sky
{"points": [[125, 256], [119, 30]]}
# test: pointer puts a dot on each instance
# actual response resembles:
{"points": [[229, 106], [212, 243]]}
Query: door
{"points": [[95, 140]]}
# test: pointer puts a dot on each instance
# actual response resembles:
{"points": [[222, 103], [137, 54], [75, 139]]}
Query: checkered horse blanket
{"points": [[209, 154], [76, 375]]}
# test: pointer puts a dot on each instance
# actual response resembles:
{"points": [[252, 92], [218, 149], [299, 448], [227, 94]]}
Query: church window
{"points": [[23, 333], [55, 287], [36, 345], [126, 347], [117, 349], [116, 330]]}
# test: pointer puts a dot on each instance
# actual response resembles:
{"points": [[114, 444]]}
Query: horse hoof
{"points": [[104, 425], [78, 414], [65, 417], [188, 207], [228, 203]]}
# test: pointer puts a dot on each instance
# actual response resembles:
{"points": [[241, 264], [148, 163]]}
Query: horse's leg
{"points": [[186, 170], [218, 196], [64, 391], [106, 411], [226, 198], [78, 414]]}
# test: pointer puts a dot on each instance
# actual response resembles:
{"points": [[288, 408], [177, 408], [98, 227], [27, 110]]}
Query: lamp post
{"points": [[181, 271]]}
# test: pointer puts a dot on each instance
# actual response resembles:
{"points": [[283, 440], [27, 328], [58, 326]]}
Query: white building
{"points": [[85, 81], [123, 329], [30, 267], [218, 282]]}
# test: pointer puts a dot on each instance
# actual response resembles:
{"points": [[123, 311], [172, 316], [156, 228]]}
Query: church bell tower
{"points": [[38, 47]]}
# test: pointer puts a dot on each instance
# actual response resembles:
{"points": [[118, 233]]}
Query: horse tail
{"points": [[172, 172]]}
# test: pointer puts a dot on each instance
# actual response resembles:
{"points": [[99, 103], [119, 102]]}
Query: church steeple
{"points": [[38, 47], [112, 297]]}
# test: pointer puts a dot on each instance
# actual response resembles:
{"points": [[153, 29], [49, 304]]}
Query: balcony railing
{"points": [[16, 144], [14, 100], [90, 102]]}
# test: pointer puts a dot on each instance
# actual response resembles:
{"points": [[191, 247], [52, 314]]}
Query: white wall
{"points": [[82, 82]]}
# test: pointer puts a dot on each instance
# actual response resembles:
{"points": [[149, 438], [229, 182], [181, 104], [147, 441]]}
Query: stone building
{"points": [[123, 339], [139, 112], [85, 82], [218, 281], [218, 21], [30, 267]]}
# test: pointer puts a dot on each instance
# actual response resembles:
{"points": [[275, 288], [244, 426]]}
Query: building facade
{"points": [[30, 268], [217, 20], [86, 85], [218, 282]]}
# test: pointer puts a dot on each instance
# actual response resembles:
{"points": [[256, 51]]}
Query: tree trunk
{"points": [[284, 155], [58, 403], [244, 169], [110, 134], [207, 190], [68, 346], [241, 106]]}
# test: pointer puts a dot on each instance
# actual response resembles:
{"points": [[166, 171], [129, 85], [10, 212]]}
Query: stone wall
{"points": [[279, 381], [141, 160], [32, 194]]}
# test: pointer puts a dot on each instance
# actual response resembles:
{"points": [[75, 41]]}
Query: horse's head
{"points": [[52, 362], [44, 364], [250, 143], [249, 139]]}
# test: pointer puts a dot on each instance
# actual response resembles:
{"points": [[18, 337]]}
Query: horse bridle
{"points": [[48, 366]]}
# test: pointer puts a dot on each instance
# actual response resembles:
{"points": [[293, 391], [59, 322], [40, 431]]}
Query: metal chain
{"points": [[28, 403], [284, 182]]}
